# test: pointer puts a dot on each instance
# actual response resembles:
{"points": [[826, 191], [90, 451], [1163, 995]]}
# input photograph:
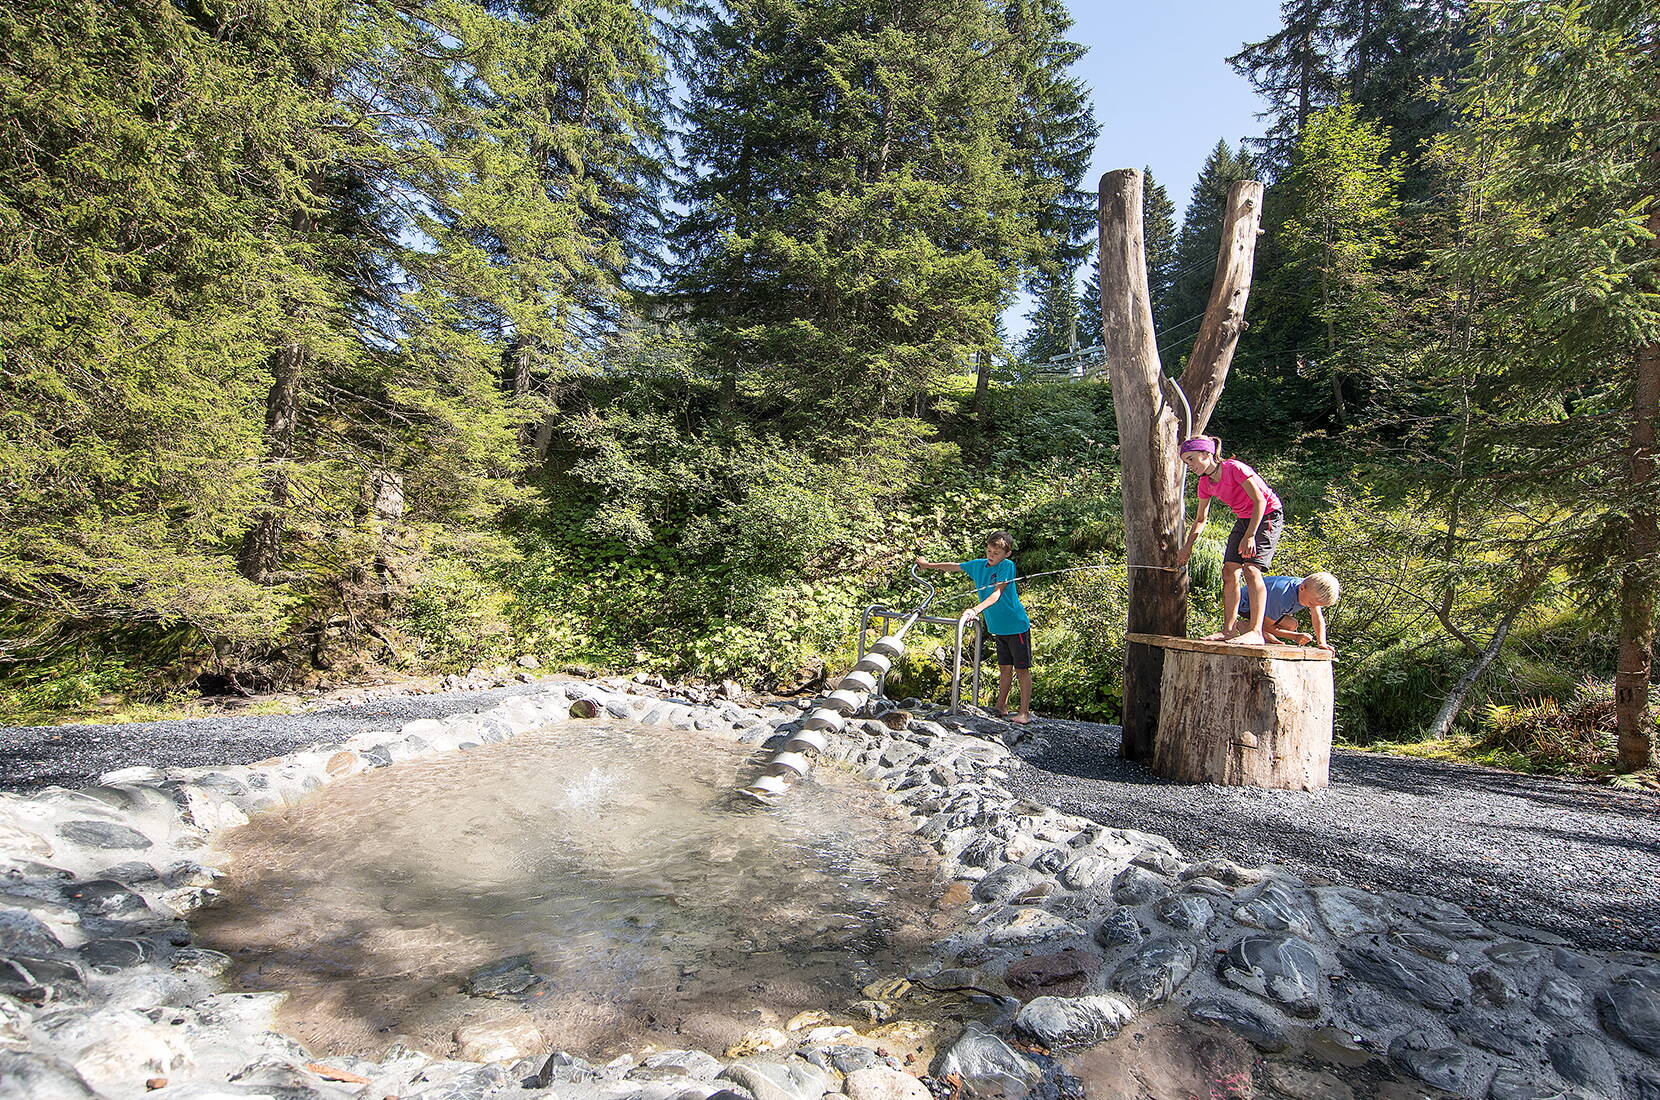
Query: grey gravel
{"points": [[32, 757], [1578, 860]]}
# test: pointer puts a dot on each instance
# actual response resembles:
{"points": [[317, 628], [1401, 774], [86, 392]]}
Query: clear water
{"points": [[655, 906]]}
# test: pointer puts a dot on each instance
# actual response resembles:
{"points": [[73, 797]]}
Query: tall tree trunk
{"points": [[1638, 579], [261, 551], [1147, 433]]}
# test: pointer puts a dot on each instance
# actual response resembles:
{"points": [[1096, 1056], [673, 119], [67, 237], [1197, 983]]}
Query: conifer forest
{"points": [[343, 339]]}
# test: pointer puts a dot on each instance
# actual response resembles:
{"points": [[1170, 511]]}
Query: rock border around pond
{"points": [[1084, 928]]}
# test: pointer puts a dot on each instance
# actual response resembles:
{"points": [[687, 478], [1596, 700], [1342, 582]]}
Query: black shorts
{"points": [[1268, 538], [1014, 649]]}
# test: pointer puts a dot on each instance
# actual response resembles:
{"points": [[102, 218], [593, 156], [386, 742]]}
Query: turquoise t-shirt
{"points": [[1006, 616]]}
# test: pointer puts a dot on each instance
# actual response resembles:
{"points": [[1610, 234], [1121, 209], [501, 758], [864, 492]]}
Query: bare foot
{"points": [[1219, 636], [1249, 637], [1021, 719]]}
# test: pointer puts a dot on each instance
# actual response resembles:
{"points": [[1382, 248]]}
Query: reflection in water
{"points": [[652, 906]]}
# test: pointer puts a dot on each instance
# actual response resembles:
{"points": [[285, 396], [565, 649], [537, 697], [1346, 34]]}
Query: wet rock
{"points": [[201, 960], [1305, 1084], [1515, 953], [1445, 1067], [110, 956], [881, 1083], [670, 1065], [37, 1077], [507, 977], [1406, 976], [1489, 1032], [770, 1079], [1084, 871], [1154, 972], [1494, 987], [1256, 1029], [988, 1064], [1275, 909], [1223, 871], [1630, 1009], [505, 1040], [40, 981], [1422, 943], [21, 932], [1134, 886], [842, 1059], [1046, 971], [1561, 998], [761, 1040], [1120, 929], [1062, 1023], [1161, 863], [132, 1055], [1279, 968], [103, 834], [133, 872], [105, 898], [1529, 1083], [1348, 912], [563, 1067], [1030, 926], [1582, 1059], [1185, 913]]}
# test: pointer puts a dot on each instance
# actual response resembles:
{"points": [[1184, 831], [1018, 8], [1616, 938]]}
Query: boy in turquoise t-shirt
{"points": [[1005, 619]]}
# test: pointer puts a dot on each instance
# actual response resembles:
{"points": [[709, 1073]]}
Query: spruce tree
{"points": [[857, 211], [1336, 239], [1053, 325]]}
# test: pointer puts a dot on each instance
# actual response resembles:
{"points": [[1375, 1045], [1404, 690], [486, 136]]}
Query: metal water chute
{"points": [[830, 715]]}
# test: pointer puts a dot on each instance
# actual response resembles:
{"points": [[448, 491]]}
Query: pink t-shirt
{"points": [[1229, 487]]}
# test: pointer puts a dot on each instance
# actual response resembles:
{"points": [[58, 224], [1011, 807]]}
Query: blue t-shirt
{"points": [[1282, 598], [1006, 616]]}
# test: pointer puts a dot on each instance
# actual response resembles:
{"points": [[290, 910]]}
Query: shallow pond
{"points": [[653, 905]]}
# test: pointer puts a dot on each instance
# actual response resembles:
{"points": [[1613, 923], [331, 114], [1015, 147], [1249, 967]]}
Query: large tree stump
{"points": [[1243, 715]]}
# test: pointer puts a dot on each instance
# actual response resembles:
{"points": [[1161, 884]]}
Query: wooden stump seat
{"points": [[1243, 715]]}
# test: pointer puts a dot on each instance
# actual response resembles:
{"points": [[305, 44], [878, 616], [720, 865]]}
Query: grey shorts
{"points": [[1268, 539]]}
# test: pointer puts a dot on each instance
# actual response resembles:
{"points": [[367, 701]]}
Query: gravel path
{"points": [[1579, 860], [32, 757]]}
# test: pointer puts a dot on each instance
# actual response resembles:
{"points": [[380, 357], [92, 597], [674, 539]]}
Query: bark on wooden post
{"points": [[1224, 323], [1151, 478], [1244, 716]]}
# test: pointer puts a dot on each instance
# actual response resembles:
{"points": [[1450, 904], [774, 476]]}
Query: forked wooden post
{"points": [[1243, 716], [1149, 428]]}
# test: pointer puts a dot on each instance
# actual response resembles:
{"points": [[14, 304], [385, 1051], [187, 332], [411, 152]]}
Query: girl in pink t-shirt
{"points": [[1259, 519]]}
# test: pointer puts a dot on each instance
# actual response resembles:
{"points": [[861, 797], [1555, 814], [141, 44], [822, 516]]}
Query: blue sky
{"points": [[1163, 92]]}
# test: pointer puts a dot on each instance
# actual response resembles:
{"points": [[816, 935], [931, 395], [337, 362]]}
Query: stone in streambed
{"points": [[1582, 1059], [1349, 912], [1056, 968], [1060, 1023], [503, 978], [504, 1040], [1279, 968], [1134, 886], [1630, 1009], [1155, 972], [881, 1083], [1406, 976], [988, 1064], [37, 1077], [1442, 1066], [1529, 1083], [779, 1079], [1185, 913], [1257, 1029], [104, 898], [103, 834], [1120, 929]]}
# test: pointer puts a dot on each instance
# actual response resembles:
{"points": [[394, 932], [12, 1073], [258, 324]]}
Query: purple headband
{"points": [[1197, 444]]}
